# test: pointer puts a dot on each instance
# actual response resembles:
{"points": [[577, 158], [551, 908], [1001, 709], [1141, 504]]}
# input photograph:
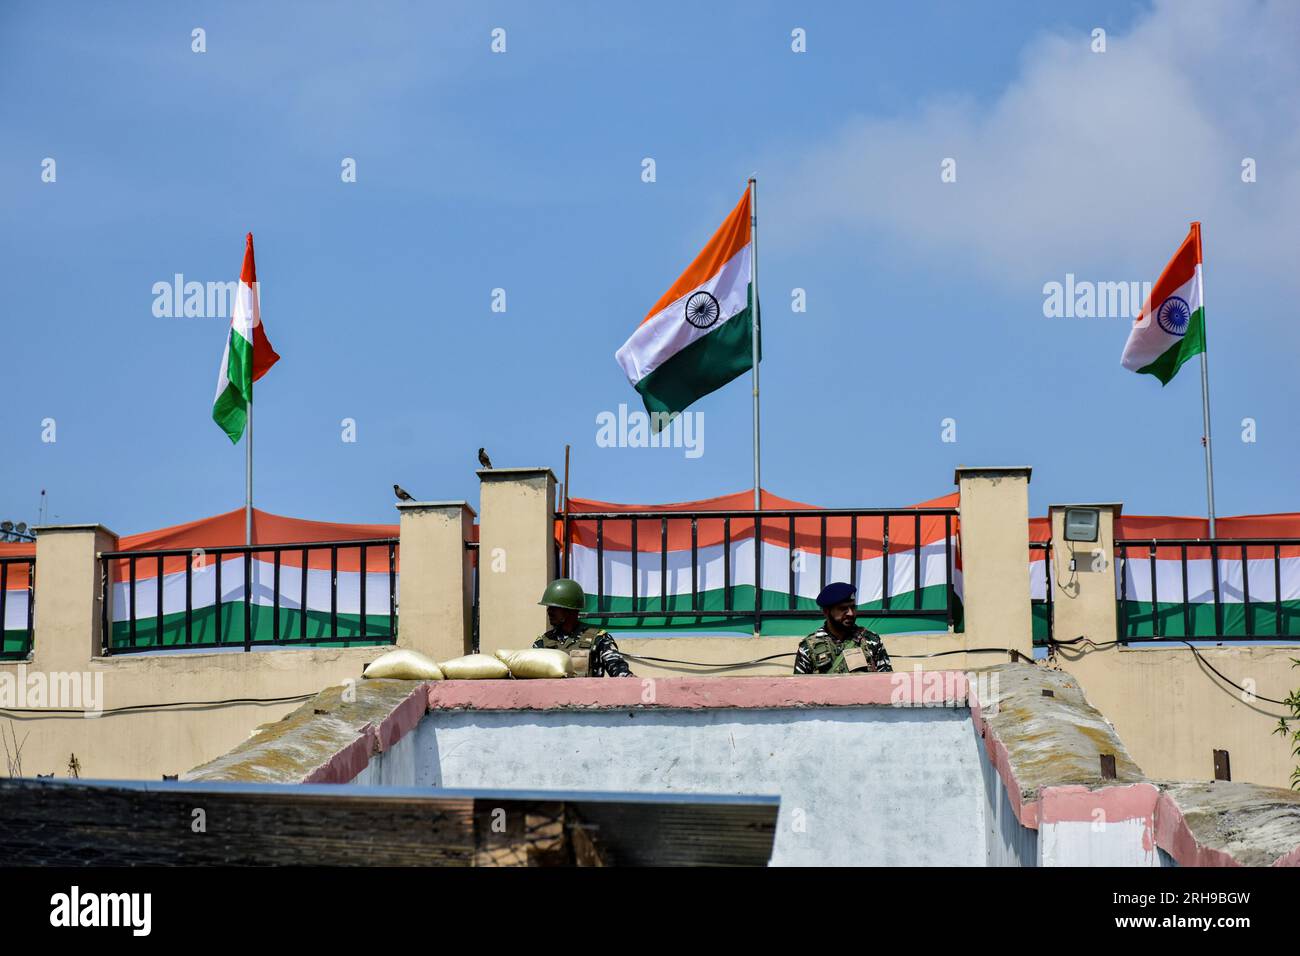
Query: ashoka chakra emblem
{"points": [[1174, 315], [702, 310]]}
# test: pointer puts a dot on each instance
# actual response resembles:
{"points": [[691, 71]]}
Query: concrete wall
{"points": [[1006, 768], [516, 554], [1007, 842], [995, 558], [195, 725], [438, 594], [858, 786], [1172, 711], [399, 766]]}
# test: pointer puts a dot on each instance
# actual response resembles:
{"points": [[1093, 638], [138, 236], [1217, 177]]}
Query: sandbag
{"points": [[475, 667], [404, 664], [537, 662]]}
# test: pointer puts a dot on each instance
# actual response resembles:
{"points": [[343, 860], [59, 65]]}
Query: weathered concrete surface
{"points": [[327, 738], [1053, 740], [1229, 824], [1044, 742]]}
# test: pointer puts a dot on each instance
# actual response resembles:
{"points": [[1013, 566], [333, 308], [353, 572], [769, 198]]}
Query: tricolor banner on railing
{"points": [[338, 613], [1042, 579], [1258, 592], [16, 573], [888, 579]]}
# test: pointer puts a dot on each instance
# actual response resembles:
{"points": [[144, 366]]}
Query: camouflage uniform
{"points": [[603, 658], [822, 653]]}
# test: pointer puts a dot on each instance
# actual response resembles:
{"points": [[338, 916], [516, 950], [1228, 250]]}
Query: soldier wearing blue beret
{"points": [[839, 646]]}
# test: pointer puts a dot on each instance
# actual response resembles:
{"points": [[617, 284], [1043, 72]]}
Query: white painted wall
{"points": [[858, 786], [1008, 843], [1096, 843], [395, 767]]}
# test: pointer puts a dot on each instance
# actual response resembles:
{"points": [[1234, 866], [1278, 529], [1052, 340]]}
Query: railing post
{"points": [[436, 583], [994, 533], [68, 611], [1084, 603], [516, 554]]}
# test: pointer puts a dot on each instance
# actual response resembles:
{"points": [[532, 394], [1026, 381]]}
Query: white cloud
{"points": [[1088, 162]]}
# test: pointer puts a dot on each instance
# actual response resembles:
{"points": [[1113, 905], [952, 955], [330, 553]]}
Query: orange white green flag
{"points": [[248, 355], [1171, 327], [699, 335]]}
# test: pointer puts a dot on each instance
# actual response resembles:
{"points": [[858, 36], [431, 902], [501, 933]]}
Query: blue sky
{"points": [[522, 171]]}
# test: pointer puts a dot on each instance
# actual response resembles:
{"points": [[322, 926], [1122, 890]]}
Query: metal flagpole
{"points": [[248, 473], [1205, 386], [753, 280]]}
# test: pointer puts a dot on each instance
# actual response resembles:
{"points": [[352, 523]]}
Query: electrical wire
{"points": [[179, 703], [669, 660], [772, 657], [1196, 652]]}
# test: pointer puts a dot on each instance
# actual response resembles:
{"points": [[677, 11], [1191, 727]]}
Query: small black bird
{"points": [[401, 493], [483, 459]]}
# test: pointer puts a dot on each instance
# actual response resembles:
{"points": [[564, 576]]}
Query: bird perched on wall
{"points": [[401, 493], [483, 459]]}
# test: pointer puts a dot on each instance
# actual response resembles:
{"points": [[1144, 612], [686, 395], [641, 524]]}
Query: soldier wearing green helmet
{"points": [[592, 650]]}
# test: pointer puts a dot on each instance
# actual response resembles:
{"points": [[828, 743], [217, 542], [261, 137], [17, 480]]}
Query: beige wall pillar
{"points": [[516, 554], [995, 560], [437, 584], [67, 612], [1083, 596]]}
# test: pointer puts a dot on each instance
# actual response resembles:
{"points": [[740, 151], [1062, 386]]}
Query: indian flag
{"points": [[1171, 326], [699, 335], [248, 354]]}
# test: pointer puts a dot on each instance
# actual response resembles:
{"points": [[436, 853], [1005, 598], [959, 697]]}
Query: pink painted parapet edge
{"points": [[696, 693], [346, 764], [1175, 837]]}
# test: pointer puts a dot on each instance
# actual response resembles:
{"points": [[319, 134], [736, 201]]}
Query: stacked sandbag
{"points": [[475, 667], [404, 664], [537, 662]]}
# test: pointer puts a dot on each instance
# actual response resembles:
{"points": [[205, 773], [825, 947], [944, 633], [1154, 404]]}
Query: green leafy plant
{"points": [[1284, 728]]}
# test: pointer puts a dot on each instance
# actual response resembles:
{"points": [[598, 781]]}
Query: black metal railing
{"points": [[1183, 616], [16, 644], [145, 631], [643, 607], [1041, 609]]}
